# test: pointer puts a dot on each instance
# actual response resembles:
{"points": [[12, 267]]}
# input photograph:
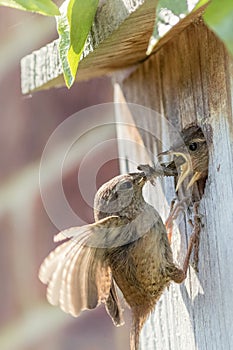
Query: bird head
{"points": [[121, 195], [190, 156]]}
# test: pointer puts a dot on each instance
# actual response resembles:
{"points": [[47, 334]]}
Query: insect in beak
{"points": [[183, 161], [142, 180]]}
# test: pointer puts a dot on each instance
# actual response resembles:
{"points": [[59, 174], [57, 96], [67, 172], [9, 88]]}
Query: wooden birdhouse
{"points": [[187, 79]]}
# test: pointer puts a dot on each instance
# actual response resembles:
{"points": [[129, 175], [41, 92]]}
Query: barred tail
{"points": [[138, 320]]}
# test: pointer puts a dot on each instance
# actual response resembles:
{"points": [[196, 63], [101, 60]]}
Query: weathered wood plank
{"points": [[118, 39], [190, 80]]}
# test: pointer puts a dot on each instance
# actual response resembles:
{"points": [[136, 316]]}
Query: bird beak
{"points": [[165, 153], [142, 180], [184, 162]]}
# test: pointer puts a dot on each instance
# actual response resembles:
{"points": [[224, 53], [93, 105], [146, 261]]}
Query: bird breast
{"points": [[140, 267]]}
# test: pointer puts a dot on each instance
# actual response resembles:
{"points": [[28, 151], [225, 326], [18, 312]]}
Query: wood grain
{"points": [[190, 80], [118, 40]]}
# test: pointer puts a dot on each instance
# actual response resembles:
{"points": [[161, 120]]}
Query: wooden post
{"points": [[189, 80]]}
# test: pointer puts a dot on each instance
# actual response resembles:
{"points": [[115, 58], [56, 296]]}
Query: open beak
{"points": [[142, 180], [183, 161], [139, 178]]}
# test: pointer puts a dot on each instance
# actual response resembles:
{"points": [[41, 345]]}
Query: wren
{"points": [[127, 247], [191, 156]]}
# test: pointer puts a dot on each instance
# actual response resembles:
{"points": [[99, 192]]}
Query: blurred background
{"points": [[27, 321]]}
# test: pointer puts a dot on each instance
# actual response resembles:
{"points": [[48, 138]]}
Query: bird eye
{"points": [[126, 185], [193, 146]]}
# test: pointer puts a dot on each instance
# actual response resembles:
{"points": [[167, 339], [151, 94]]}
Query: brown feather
{"points": [[113, 306], [77, 275]]}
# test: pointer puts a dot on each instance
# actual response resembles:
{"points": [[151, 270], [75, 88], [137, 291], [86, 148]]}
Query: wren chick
{"points": [[191, 159], [191, 156], [127, 246]]}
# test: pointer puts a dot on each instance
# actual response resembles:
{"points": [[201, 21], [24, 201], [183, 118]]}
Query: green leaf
{"points": [[219, 17], [73, 26], [80, 16], [63, 29], [44, 7], [201, 3], [168, 14]]}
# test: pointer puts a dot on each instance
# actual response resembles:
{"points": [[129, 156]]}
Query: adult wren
{"points": [[127, 246]]}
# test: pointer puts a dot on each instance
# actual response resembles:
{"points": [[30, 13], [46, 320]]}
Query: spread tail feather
{"points": [[77, 275]]}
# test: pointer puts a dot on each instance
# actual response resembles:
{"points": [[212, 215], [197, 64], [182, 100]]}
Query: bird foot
{"points": [[194, 240], [175, 209], [193, 246]]}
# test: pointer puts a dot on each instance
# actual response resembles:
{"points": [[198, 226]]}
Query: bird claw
{"points": [[174, 211], [169, 221], [195, 237]]}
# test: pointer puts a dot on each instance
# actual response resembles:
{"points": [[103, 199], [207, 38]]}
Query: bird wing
{"points": [[108, 232], [113, 306], [76, 272]]}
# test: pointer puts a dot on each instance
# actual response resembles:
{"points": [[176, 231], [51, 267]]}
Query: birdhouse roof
{"points": [[118, 40]]}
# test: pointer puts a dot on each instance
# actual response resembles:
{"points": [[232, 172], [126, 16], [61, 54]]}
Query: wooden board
{"points": [[118, 39], [189, 80]]}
